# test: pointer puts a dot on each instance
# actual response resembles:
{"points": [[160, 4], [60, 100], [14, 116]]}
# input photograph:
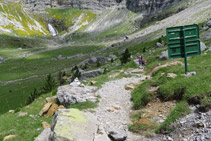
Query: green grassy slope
{"points": [[14, 94]]}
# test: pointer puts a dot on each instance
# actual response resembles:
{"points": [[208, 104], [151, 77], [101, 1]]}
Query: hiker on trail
{"points": [[144, 62], [140, 61]]}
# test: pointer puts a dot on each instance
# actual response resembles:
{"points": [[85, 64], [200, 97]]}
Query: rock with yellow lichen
{"points": [[71, 124]]}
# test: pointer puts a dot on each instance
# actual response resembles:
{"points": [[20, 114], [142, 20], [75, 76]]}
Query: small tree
{"points": [[98, 64], [125, 57], [49, 85], [60, 77], [144, 49], [32, 97], [76, 73]]}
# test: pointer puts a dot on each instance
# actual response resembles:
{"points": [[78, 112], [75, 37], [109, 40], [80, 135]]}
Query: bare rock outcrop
{"points": [[143, 6], [76, 93]]}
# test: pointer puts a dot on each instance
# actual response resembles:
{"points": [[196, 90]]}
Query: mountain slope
{"points": [[15, 20]]}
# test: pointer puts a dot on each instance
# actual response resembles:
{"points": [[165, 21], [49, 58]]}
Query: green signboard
{"points": [[183, 42]]}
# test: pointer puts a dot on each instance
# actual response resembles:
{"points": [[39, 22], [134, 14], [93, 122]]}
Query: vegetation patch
{"points": [[83, 105], [141, 96], [71, 17], [11, 124], [180, 110]]}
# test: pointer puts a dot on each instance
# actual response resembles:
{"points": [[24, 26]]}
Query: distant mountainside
{"points": [[16, 20], [146, 6]]}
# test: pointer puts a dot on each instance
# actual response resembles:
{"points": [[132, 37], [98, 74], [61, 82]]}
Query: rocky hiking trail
{"points": [[108, 121], [114, 110]]}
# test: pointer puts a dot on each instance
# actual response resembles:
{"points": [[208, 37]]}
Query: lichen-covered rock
{"points": [[72, 124]]}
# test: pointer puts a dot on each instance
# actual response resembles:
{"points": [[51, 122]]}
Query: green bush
{"points": [[54, 92]]}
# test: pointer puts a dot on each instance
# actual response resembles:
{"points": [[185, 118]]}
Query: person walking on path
{"points": [[140, 61]]}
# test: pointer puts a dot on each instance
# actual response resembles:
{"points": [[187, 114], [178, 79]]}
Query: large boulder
{"points": [[75, 93], [92, 60], [90, 74], [102, 59], [72, 124], [117, 135], [112, 57], [203, 46], [164, 55], [45, 135]]}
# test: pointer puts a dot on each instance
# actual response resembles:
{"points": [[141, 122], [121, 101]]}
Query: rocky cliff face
{"points": [[149, 6], [146, 6]]}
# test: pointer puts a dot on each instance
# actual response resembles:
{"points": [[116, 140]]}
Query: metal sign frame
{"points": [[183, 42]]}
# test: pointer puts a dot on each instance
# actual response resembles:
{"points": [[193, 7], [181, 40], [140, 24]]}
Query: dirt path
{"points": [[114, 108]]}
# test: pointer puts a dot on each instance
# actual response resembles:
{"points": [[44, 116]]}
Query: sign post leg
{"points": [[185, 53], [186, 64]]}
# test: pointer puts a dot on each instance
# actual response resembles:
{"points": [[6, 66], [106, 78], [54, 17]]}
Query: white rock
{"points": [[11, 111]]}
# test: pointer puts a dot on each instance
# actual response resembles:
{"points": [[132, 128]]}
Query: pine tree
{"points": [[32, 97], [49, 85], [76, 73], [125, 57]]}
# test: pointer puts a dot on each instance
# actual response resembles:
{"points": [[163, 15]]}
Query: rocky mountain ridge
{"points": [[143, 6]]}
